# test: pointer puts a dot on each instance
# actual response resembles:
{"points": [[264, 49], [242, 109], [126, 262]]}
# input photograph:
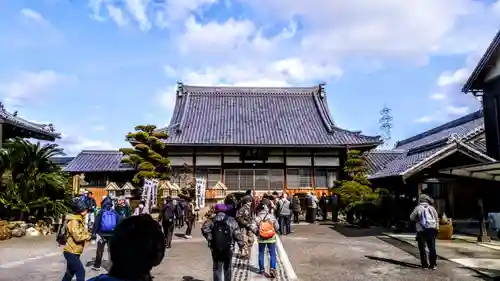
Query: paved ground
{"points": [[313, 252], [38, 258], [464, 250], [317, 252]]}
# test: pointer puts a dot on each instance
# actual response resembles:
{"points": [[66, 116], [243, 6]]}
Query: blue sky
{"points": [[97, 68]]}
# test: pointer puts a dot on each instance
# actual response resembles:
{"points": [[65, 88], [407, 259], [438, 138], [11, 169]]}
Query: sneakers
{"points": [[96, 268], [273, 273], [188, 236], [433, 267]]}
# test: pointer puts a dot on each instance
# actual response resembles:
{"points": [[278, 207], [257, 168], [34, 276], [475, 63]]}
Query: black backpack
{"points": [[221, 239], [62, 234]]}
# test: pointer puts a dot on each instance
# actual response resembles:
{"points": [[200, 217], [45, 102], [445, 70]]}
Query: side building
{"points": [[263, 139], [415, 166], [12, 126]]}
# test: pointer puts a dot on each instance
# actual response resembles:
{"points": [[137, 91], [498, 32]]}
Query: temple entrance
{"points": [[255, 179]]}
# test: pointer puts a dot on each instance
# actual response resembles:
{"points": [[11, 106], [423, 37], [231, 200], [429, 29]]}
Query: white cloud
{"points": [[32, 15], [99, 128], [117, 15], [146, 13], [456, 110], [73, 144], [425, 119], [438, 96], [457, 77], [30, 85]]}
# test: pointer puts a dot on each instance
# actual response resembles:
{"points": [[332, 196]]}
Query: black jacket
{"points": [[167, 212]]}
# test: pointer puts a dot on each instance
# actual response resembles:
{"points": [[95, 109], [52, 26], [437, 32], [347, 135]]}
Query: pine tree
{"points": [[148, 154], [357, 187]]}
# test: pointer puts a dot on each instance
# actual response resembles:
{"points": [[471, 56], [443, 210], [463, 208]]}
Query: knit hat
{"points": [[220, 208], [79, 205], [424, 198]]}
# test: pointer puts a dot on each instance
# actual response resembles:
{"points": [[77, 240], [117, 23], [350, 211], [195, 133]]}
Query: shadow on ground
{"points": [[401, 263], [190, 278], [105, 264], [408, 248], [179, 235], [352, 231]]}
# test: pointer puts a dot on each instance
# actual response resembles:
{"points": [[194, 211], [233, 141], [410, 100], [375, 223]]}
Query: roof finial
{"points": [[180, 89], [321, 91]]}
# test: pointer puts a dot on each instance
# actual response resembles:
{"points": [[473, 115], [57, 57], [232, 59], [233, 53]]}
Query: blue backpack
{"points": [[108, 220]]}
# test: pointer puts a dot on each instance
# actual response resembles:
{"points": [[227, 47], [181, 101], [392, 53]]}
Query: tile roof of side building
{"points": [[46, 130], [253, 116], [97, 161], [419, 148]]}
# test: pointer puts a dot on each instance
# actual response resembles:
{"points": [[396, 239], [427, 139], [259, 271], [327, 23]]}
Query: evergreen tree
{"points": [[357, 187], [148, 155]]}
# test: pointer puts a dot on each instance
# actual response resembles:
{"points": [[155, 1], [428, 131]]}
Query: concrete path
{"points": [[313, 252], [483, 258], [39, 259], [321, 252]]}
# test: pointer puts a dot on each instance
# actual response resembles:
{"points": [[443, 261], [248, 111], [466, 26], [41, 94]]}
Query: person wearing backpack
{"points": [[426, 219], [222, 232], [167, 220], [244, 217], [74, 236], [265, 226], [105, 222]]}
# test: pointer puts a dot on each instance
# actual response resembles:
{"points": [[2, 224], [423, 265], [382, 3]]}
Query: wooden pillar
{"points": [[313, 173], [76, 184], [194, 164], [222, 167], [419, 189], [285, 183]]}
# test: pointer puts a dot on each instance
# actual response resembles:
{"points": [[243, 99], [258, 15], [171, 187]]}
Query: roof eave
{"points": [[472, 85]]}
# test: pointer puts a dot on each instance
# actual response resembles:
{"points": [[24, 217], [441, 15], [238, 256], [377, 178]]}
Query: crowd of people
{"points": [[136, 242]]}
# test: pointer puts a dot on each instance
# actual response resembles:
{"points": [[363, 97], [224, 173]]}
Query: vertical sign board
{"points": [[200, 192], [149, 191]]}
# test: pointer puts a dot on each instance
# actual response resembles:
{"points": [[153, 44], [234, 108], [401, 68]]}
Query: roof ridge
{"points": [[324, 113], [98, 151], [228, 87], [387, 151], [453, 123]]}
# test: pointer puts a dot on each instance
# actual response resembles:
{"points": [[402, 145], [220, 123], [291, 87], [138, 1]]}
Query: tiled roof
{"points": [[377, 159], [468, 129], [403, 163], [476, 80], [478, 144], [46, 130], [97, 161], [61, 161], [257, 116], [460, 127]]}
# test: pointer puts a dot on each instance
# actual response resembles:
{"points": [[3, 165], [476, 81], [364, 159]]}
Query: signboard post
{"points": [[201, 184]]}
